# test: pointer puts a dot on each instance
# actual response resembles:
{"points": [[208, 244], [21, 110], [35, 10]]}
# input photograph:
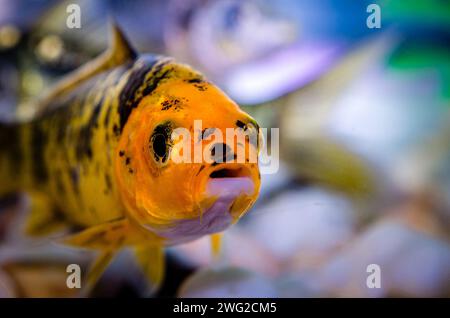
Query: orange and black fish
{"points": [[98, 158]]}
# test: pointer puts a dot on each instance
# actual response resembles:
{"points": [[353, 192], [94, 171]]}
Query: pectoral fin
{"points": [[96, 270], [151, 259], [105, 236]]}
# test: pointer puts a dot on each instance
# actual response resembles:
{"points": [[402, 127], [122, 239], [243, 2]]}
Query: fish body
{"points": [[97, 159]]}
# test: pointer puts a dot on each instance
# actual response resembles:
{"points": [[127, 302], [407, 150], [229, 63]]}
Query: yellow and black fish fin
{"points": [[96, 270], [105, 236], [216, 244], [151, 259], [119, 52], [44, 217]]}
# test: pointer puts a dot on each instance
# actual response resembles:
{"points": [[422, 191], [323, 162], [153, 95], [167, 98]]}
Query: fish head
{"points": [[194, 159]]}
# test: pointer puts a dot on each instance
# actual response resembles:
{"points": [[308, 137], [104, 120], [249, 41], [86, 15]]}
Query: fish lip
{"points": [[222, 170], [226, 182], [217, 216], [212, 221], [230, 188]]}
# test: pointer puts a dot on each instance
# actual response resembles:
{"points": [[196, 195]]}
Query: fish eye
{"points": [[160, 142], [159, 145]]}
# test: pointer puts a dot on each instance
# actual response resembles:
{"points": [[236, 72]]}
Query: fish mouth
{"points": [[222, 173], [233, 188], [224, 187], [226, 182]]}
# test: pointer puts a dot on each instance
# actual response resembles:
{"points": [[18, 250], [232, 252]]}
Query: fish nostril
{"points": [[220, 152]]}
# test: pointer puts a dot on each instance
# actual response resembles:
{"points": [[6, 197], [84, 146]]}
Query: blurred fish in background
{"points": [[364, 123]]}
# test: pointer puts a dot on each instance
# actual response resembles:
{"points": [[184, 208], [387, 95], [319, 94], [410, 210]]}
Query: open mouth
{"points": [[227, 173], [230, 182], [226, 183]]}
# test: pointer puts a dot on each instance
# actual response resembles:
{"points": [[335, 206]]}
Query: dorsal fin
{"points": [[119, 52]]}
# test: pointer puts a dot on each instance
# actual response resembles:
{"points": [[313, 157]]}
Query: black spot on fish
{"points": [[253, 138], [200, 87], [166, 105], [130, 171], [155, 81], [121, 153], [241, 125], [175, 103], [196, 80], [116, 130], [127, 160], [127, 97]]}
